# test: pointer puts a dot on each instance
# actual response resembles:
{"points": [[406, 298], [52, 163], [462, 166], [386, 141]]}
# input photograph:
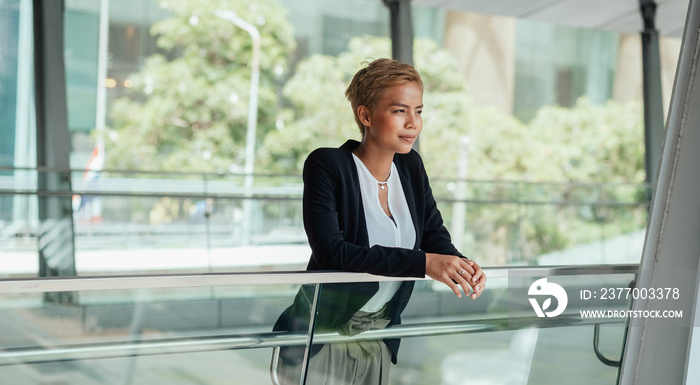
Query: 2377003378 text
{"points": [[619, 293]]}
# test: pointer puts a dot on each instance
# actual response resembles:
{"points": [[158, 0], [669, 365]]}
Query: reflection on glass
{"points": [[345, 309], [446, 340], [182, 335]]}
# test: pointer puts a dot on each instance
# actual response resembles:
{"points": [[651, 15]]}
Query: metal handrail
{"points": [[146, 172], [274, 363], [203, 195], [46, 285], [205, 175], [282, 195], [272, 340], [269, 196], [596, 349]]}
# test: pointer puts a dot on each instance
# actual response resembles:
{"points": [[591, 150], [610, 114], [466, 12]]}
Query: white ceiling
{"points": [[609, 15]]}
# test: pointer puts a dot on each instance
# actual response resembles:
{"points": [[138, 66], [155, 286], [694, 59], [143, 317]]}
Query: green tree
{"points": [[570, 146], [590, 142], [190, 113]]}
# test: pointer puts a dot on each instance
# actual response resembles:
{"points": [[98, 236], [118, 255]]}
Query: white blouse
{"points": [[382, 230]]}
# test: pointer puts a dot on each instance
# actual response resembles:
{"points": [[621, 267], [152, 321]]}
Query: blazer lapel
{"points": [[408, 191], [354, 196]]}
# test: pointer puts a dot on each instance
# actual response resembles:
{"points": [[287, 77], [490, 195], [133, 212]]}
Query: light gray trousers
{"points": [[347, 363], [338, 364]]}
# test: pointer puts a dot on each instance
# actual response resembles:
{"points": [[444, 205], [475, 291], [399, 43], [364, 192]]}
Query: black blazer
{"points": [[335, 225]]}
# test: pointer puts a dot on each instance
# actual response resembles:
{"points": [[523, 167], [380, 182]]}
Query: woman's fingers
{"points": [[478, 281], [477, 273], [455, 280], [456, 272], [474, 276], [462, 279], [453, 286], [435, 269], [466, 266], [474, 270]]}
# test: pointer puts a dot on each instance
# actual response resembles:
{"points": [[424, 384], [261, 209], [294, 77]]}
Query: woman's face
{"points": [[396, 122]]}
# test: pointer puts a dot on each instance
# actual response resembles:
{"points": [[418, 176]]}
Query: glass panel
{"points": [[18, 213], [130, 76], [512, 357], [450, 340], [153, 121], [130, 223], [17, 124], [41, 222], [522, 223], [136, 223], [215, 335], [186, 333], [188, 222]]}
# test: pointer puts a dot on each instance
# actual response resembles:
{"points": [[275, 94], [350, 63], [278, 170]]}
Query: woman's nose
{"points": [[411, 121]]}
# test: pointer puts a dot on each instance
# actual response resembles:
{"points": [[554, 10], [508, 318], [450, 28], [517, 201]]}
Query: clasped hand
{"points": [[454, 272]]}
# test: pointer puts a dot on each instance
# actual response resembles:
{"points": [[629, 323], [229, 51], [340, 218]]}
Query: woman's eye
{"points": [[419, 112], [399, 111]]}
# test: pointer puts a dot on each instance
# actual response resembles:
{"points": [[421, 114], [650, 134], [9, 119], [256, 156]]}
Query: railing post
{"points": [[310, 337]]}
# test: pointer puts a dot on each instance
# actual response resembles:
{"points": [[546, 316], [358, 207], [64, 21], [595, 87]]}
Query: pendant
{"points": [[382, 186]]}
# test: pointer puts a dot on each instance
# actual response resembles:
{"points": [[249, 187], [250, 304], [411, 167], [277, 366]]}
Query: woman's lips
{"points": [[408, 138]]}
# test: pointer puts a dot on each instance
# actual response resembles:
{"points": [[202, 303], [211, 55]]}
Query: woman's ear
{"points": [[364, 115]]}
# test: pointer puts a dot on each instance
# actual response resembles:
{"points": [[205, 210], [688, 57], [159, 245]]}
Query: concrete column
{"points": [[651, 89], [56, 239], [401, 36], [401, 30], [484, 46], [628, 72]]}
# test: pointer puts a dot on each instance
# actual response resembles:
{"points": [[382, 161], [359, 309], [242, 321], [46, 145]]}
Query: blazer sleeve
{"points": [[436, 238], [329, 225]]}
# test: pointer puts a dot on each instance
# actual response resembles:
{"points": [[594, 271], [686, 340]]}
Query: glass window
{"points": [[164, 99]]}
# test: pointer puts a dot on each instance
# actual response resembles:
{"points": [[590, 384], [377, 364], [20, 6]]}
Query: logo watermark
{"points": [[549, 289], [587, 297]]}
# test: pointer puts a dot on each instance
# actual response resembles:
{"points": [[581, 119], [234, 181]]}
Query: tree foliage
{"points": [[189, 113]]}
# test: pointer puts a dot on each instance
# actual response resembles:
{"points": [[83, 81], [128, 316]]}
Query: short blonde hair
{"points": [[368, 85]]}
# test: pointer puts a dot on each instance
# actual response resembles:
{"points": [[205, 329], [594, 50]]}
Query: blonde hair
{"points": [[368, 85]]}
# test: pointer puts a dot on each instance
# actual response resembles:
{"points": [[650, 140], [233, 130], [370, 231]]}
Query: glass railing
{"points": [[219, 328], [143, 223]]}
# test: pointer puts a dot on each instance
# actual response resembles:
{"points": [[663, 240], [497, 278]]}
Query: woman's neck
{"points": [[378, 163]]}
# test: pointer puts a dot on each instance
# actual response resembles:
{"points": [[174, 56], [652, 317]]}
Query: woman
{"points": [[368, 207]]}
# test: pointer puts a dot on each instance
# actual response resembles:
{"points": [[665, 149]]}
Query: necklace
{"points": [[382, 185]]}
